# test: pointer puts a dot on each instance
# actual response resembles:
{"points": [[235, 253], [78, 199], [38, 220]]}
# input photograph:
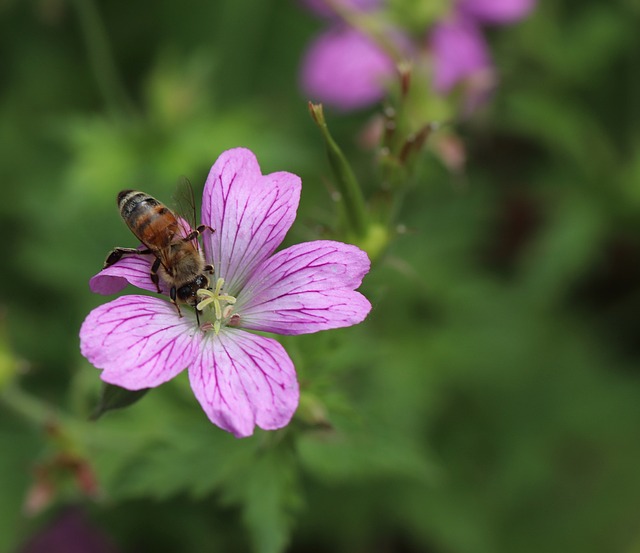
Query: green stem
{"points": [[101, 58], [350, 191], [26, 406]]}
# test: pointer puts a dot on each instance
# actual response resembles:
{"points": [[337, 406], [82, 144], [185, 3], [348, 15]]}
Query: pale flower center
{"points": [[221, 304]]}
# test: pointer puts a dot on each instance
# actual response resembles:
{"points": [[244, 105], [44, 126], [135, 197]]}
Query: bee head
{"points": [[188, 293]]}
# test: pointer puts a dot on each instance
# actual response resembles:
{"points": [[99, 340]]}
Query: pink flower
{"points": [[241, 379], [70, 531], [346, 69], [459, 48], [459, 52], [496, 11]]}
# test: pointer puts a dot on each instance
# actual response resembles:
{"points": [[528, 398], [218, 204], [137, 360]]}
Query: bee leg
{"points": [[195, 233], [116, 254], [208, 269], [202, 228], [198, 316], [172, 295], [154, 274]]}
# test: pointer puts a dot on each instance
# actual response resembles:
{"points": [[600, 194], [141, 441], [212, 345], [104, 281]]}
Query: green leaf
{"points": [[269, 496]]}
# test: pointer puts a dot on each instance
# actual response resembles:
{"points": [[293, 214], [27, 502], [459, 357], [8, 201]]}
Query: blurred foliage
{"points": [[489, 404]]}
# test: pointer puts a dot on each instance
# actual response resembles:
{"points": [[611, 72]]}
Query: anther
{"points": [[221, 304]]}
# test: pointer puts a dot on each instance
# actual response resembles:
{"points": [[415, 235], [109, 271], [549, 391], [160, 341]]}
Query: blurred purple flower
{"points": [[459, 49], [348, 70], [240, 379], [496, 11], [70, 532]]}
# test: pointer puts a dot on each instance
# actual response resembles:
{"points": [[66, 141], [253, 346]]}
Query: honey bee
{"points": [[178, 259]]}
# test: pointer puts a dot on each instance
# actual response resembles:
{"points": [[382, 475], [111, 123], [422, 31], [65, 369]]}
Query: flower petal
{"points": [[242, 380], [459, 52], [131, 269], [346, 69], [496, 11], [139, 341], [250, 212], [306, 288]]}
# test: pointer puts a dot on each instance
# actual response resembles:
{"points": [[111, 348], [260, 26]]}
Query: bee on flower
{"points": [[241, 379]]}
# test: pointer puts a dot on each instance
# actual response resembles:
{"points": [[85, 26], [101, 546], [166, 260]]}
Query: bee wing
{"points": [[185, 202]]}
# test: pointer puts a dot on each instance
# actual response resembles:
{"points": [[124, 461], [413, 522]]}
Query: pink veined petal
{"points": [[346, 69], [308, 312], [306, 288], [459, 52], [250, 212], [131, 269], [496, 11], [243, 380], [139, 341]]}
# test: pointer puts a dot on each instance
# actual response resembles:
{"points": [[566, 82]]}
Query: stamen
{"points": [[221, 304], [217, 308], [206, 301]]}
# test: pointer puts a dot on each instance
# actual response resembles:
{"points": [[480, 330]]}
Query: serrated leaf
{"points": [[269, 496]]}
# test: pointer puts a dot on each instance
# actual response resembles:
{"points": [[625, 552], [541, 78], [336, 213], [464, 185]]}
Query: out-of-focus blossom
{"points": [[496, 11], [459, 51], [70, 532], [346, 69]]}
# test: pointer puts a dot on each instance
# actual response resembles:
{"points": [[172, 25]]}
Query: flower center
{"points": [[219, 303]]}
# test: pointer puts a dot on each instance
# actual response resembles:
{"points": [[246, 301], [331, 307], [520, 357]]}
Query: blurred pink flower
{"points": [[496, 11], [459, 49], [70, 532], [348, 70], [241, 379]]}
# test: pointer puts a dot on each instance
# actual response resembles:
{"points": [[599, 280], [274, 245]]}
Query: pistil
{"points": [[219, 302]]}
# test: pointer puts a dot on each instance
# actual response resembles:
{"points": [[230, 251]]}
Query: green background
{"points": [[491, 401]]}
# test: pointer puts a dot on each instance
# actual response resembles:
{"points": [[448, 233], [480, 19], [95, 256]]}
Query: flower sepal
{"points": [[312, 412], [114, 397], [375, 241]]}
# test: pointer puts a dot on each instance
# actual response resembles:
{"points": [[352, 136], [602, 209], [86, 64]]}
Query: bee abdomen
{"points": [[150, 220], [123, 194], [134, 204]]}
